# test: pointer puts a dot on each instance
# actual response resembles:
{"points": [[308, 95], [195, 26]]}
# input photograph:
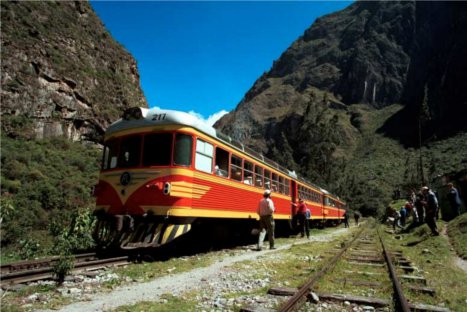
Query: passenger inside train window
{"points": [[248, 180], [236, 168], [258, 176], [220, 172], [222, 163], [247, 172], [267, 179]]}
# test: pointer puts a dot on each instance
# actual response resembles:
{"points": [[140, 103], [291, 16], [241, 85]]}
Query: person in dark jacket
{"points": [[454, 199], [419, 206], [346, 219], [431, 209], [356, 216]]}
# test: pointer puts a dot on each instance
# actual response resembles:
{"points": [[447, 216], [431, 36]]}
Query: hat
{"points": [[425, 188], [267, 192], [300, 200]]}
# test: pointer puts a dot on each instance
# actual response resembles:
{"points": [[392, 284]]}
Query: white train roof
{"points": [[154, 116]]}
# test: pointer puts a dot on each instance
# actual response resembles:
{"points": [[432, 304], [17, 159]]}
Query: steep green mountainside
{"points": [[45, 183], [328, 106], [64, 79]]}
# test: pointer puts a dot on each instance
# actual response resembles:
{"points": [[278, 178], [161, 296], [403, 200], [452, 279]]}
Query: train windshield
{"points": [[153, 149]]}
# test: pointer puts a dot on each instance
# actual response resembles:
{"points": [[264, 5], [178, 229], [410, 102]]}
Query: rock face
{"points": [[376, 53], [360, 53], [437, 73], [62, 69]]}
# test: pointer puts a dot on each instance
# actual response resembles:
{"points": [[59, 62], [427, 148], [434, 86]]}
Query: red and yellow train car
{"points": [[165, 171]]}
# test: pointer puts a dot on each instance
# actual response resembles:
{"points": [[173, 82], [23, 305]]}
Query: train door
{"points": [[294, 197]]}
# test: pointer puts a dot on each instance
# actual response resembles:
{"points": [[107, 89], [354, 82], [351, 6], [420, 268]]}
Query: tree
{"points": [[423, 116]]}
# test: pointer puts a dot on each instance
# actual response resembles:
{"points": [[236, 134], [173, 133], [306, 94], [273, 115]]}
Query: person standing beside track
{"points": [[302, 219], [356, 216], [454, 199], [431, 209], [346, 219], [266, 220]]}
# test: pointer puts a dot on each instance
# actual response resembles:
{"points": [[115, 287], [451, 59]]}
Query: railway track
{"points": [[35, 270], [363, 265]]}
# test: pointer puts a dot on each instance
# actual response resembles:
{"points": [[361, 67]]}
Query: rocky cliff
{"points": [[63, 71], [437, 75]]}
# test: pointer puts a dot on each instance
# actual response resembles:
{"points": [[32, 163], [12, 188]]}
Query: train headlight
{"points": [[167, 188]]}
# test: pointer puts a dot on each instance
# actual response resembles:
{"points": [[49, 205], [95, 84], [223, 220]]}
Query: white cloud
{"points": [[211, 120]]}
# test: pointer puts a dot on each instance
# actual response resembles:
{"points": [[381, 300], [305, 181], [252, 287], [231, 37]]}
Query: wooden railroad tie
{"points": [[427, 308], [423, 290], [414, 279], [359, 283], [367, 263], [255, 308], [282, 291], [366, 259], [362, 273], [406, 268]]}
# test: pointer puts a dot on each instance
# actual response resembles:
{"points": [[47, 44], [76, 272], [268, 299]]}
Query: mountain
{"points": [[64, 79], [342, 103], [62, 71]]}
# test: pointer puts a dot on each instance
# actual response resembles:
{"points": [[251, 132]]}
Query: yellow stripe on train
{"points": [[173, 231]]}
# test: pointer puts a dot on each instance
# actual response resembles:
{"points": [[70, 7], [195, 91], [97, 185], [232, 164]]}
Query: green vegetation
{"points": [[457, 231], [46, 194], [433, 258]]}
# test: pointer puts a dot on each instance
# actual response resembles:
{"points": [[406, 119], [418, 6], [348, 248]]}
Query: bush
{"points": [[46, 180]]}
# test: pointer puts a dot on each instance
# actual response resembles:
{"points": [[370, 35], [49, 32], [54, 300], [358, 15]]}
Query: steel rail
{"points": [[403, 303], [27, 265], [47, 272], [290, 304]]}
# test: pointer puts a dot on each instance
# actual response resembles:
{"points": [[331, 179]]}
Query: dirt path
{"points": [[461, 263], [176, 284]]}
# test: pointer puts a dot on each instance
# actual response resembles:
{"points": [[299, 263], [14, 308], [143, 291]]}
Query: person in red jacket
{"points": [[301, 218]]}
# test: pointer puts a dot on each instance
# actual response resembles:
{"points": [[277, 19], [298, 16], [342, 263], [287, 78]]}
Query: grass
{"points": [[457, 231], [434, 260]]}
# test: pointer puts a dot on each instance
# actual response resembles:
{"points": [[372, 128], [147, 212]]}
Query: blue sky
{"points": [[202, 57]]}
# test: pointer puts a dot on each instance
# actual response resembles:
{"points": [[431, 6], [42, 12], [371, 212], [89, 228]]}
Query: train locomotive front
{"points": [[158, 177]]}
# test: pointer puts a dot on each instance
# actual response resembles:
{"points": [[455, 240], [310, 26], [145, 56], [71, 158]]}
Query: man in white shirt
{"points": [[266, 220]]}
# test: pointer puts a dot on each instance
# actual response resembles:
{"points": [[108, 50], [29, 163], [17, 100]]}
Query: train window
{"points": [[258, 176], [204, 153], [157, 149], [182, 149], [247, 173], [130, 152], [236, 168], [275, 182], [267, 179], [222, 162], [281, 185], [110, 155], [286, 186]]}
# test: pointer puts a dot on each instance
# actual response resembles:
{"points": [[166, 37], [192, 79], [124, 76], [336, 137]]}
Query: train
{"points": [[165, 173]]}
